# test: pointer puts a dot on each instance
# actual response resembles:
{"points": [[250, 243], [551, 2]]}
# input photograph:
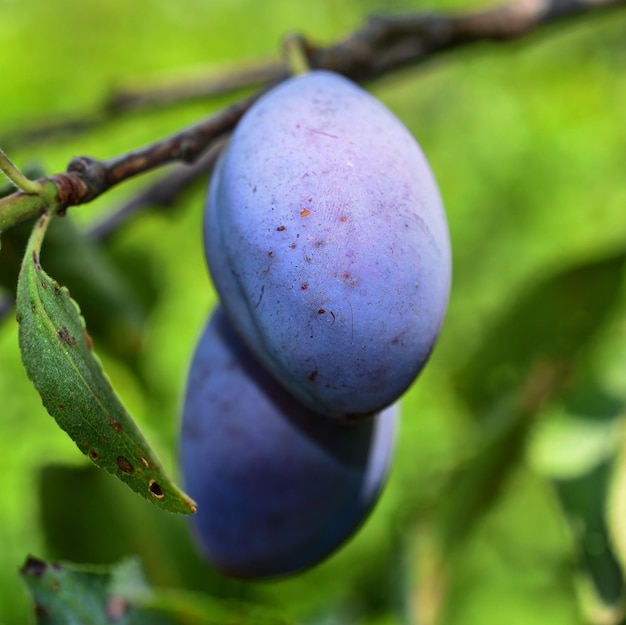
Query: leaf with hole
{"points": [[57, 354]]}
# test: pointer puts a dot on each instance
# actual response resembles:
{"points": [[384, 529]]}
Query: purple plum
{"points": [[278, 489], [328, 244]]}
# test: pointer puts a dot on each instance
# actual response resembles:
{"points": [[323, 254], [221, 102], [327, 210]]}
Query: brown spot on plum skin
{"points": [[293, 246], [349, 279], [343, 219], [280, 229], [311, 377], [321, 311], [305, 212], [304, 286], [270, 254]]}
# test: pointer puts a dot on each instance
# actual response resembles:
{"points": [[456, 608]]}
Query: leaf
{"points": [[584, 503], [617, 501], [576, 447], [568, 443], [77, 595], [553, 323], [524, 361], [58, 357], [124, 524], [476, 483], [69, 594], [112, 309]]}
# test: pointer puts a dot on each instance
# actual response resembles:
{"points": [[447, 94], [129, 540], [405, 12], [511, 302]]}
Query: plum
{"points": [[278, 489], [327, 241]]}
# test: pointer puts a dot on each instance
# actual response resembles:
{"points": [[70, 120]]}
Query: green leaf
{"points": [[111, 308], [576, 447], [524, 361], [567, 445], [78, 595], [58, 357], [124, 524], [584, 503], [477, 482], [550, 325], [69, 594], [616, 512]]}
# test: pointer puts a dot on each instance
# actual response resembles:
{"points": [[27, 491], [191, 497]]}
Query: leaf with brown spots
{"points": [[69, 593], [59, 360], [73, 594]]}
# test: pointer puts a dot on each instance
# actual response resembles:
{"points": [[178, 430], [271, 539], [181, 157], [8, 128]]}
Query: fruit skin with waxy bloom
{"points": [[328, 244], [278, 488]]}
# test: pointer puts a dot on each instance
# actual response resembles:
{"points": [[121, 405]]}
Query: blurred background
{"points": [[507, 498]]}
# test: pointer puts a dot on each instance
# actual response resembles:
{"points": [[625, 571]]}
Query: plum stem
{"points": [[294, 49]]}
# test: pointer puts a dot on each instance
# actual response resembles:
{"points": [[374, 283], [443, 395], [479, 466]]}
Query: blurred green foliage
{"points": [[496, 508]]}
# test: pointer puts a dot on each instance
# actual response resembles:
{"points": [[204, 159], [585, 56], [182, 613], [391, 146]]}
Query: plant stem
{"points": [[19, 207], [294, 50], [17, 177]]}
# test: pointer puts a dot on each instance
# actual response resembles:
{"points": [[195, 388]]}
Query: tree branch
{"points": [[87, 178], [162, 193], [388, 43], [385, 44], [229, 80]]}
